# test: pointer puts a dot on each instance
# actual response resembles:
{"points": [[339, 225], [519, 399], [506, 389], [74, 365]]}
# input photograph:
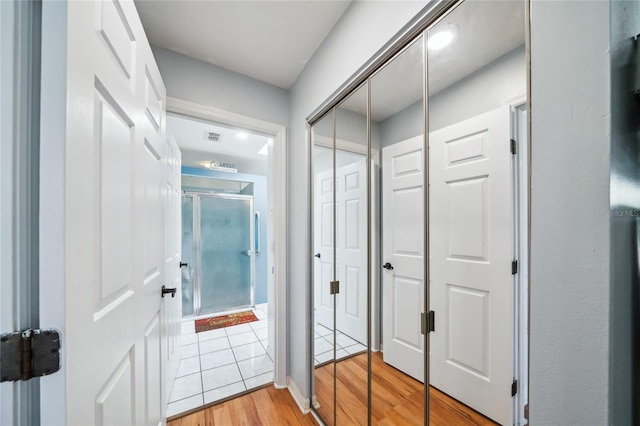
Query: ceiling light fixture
{"points": [[242, 135], [442, 36], [440, 39]]}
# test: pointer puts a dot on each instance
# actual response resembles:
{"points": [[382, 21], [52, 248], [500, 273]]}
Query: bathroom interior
{"points": [[225, 260]]}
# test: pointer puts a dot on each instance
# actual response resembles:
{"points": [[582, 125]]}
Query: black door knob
{"points": [[183, 264], [387, 266], [317, 255], [171, 291]]}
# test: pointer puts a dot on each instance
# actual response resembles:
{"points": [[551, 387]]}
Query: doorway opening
{"points": [[232, 254]]}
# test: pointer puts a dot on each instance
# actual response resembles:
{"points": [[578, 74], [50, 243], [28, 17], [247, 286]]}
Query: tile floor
{"points": [[219, 363], [323, 345]]}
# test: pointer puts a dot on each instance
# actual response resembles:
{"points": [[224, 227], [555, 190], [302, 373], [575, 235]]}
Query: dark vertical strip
{"points": [[27, 186], [624, 312]]}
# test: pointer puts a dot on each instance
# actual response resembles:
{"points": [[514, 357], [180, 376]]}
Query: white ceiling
{"points": [[268, 40], [197, 151]]}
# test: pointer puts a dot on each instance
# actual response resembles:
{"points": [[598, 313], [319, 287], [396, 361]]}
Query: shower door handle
{"points": [[258, 231]]}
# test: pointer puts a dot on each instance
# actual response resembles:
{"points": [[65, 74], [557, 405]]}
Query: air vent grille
{"points": [[212, 136]]}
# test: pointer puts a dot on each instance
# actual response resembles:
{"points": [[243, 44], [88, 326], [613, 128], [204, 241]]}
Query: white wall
{"points": [[206, 84], [363, 29], [482, 91], [569, 331]]}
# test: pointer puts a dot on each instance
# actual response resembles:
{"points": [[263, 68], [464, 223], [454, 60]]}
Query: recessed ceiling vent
{"points": [[212, 136]]}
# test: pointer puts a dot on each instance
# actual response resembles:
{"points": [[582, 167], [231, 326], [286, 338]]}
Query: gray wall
{"points": [[202, 83], [363, 29], [482, 91], [569, 331], [624, 377]]}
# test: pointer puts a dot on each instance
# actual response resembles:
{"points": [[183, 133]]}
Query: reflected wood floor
{"points": [[397, 400]]}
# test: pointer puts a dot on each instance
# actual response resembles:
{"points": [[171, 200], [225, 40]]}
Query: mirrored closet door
{"points": [[397, 123], [419, 228], [340, 209], [477, 98]]}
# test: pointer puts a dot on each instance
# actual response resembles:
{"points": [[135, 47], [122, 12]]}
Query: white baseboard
{"points": [[318, 419], [303, 403], [315, 402]]}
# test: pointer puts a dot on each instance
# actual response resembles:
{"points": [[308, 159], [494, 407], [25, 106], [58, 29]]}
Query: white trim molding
{"points": [[303, 403], [280, 216]]}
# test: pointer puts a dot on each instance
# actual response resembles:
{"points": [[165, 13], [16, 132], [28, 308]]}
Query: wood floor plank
{"points": [[266, 406], [397, 400]]}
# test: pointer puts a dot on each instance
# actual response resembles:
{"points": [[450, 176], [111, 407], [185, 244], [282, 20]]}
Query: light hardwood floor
{"points": [[265, 406], [397, 400]]}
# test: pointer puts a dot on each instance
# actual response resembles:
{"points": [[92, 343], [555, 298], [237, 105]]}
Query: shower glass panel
{"points": [[187, 255], [226, 252]]}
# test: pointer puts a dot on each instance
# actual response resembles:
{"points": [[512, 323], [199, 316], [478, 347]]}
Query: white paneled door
{"points": [[172, 309], [403, 253], [323, 240], [120, 218], [350, 249], [471, 231]]}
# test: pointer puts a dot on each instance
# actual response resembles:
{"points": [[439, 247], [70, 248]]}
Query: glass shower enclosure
{"points": [[218, 245]]}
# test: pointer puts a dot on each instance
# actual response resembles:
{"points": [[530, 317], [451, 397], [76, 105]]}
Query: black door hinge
{"points": [[514, 267], [29, 353], [427, 322], [513, 146], [514, 388]]}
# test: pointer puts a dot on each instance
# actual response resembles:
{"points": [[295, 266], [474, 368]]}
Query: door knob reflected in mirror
{"points": [[387, 266], [183, 264], [171, 291], [317, 255]]}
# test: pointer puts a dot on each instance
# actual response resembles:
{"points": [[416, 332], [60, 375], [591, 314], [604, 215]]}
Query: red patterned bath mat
{"points": [[225, 321]]}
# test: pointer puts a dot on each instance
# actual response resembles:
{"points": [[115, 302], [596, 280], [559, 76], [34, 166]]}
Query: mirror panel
{"points": [[397, 126], [351, 258], [476, 81], [324, 271]]}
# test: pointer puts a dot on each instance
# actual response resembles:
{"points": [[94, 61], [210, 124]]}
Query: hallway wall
{"points": [[569, 330], [195, 81]]}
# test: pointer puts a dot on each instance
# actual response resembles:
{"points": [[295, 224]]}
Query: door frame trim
{"points": [[521, 216], [280, 216]]}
